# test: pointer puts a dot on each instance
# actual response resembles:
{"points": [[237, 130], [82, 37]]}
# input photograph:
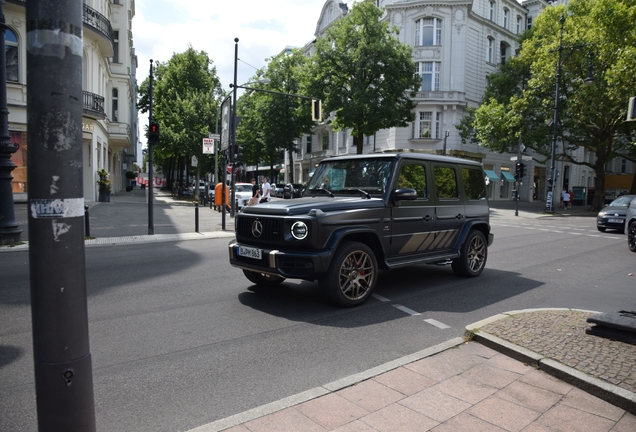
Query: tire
{"points": [[262, 279], [352, 275], [601, 229], [474, 253], [631, 236]]}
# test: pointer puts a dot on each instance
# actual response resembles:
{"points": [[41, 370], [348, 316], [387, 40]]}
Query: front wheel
{"points": [[631, 236], [474, 253], [352, 275], [263, 279]]}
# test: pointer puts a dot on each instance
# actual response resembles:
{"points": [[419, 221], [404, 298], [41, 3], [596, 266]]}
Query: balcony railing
{"points": [[93, 104], [99, 22]]}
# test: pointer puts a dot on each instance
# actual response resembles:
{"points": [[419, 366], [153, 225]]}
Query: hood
{"points": [[304, 205], [622, 211]]}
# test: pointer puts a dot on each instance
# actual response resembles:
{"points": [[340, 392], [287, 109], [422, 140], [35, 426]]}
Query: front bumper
{"points": [[605, 222], [288, 264]]}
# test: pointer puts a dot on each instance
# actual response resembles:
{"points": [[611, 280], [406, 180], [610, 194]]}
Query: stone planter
{"points": [[104, 196]]}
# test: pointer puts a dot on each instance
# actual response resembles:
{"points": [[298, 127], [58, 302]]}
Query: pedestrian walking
{"points": [[254, 199], [566, 199], [563, 192], [571, 197], [267, 189]]}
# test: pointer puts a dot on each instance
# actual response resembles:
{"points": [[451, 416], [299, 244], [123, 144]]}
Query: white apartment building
{"points": [[456, 44], [109, 121]]}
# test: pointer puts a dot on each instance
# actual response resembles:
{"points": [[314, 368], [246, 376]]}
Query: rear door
{"points": [[449, 211]]}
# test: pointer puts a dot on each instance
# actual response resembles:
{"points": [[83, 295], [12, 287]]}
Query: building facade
{"points": [[456, 46], [109, 120]]}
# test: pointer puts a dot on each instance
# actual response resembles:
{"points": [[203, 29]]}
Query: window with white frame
{"points": [[438, 117], [506, 18], [529, 22], [429, 75], [491, 50], [518, 24], [308, 147], [428, 31], [11, 55], [425, 125], [491, 11], [325, 141], [116, 46]]}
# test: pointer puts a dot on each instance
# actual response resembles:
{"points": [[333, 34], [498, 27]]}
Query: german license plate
{"points": [[249, 252], [615, 220]]}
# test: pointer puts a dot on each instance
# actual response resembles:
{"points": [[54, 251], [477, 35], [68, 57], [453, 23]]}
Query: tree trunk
{"points": [[358, 141], [291, 167], [599, 186]]}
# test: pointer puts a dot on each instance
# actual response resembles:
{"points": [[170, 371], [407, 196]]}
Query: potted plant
{"points": [[103, 184]]}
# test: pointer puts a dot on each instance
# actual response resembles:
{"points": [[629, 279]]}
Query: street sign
{"points": [[524, 157], [208, 146], [214, 136], [195, 161]]}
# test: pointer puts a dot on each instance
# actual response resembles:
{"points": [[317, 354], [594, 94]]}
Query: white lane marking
{"points": [[436, 323], [379, 297], [407, 310]]}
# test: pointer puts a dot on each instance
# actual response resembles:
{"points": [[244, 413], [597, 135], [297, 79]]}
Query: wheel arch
{"points": [[478, 225], [363, 235]]}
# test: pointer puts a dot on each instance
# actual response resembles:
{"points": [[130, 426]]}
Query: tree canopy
{"points": [[520, 98], [363, 73]]}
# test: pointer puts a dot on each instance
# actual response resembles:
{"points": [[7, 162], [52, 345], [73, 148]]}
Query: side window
{"points": [[474, 186], [445, 183], [414, 177]]}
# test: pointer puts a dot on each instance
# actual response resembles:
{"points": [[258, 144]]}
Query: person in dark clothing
{"points": [[254, 199]]}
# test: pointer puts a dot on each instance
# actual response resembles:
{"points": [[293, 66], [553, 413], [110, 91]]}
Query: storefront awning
{"points": [[507, 176], [492, 176]]}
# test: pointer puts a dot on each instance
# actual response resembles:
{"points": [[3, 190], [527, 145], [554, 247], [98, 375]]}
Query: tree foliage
{"points": [[520, 98], [186, 95], [363, 74]]}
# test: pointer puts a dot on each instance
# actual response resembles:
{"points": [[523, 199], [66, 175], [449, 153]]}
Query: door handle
{"points": [[459, 216], [427, 218]]}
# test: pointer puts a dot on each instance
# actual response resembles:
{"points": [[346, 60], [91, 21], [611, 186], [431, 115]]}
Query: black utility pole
{"points": [[151, 224], [9, 229], [62, 359], [232, 150]]}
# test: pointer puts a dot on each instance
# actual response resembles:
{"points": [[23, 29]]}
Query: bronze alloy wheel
{"points": [[474, 253]]}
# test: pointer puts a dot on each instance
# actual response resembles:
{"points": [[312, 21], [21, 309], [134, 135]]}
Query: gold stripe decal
{"points": [[421, 242], [415, 241]]}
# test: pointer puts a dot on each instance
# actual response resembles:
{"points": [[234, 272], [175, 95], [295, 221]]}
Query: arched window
{"points": [[428, 31], [506, 19], [518, 24], [505, 51], [11, 53], [491, 11], [115, 105], [491, 50]]}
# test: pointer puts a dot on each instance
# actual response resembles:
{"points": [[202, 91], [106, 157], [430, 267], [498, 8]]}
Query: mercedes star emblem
{"points": [[257, 228]]}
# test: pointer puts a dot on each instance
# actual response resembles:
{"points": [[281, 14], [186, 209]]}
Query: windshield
{"points": [[244, 188], [351, 176], [622, 201]]}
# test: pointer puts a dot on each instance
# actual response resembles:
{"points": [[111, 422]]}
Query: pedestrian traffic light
{"points": [[153, 136], [316, 109]]}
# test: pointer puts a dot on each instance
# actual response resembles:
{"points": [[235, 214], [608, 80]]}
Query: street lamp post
{"points": [[561, 58]]}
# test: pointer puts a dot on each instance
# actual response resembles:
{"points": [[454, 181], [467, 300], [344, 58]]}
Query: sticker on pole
{"points": [[208, 146], [57, 208]]}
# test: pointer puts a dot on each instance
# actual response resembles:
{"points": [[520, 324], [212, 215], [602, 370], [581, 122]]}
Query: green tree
{"points": [[363, 74], [590, 117], [186, 95]]}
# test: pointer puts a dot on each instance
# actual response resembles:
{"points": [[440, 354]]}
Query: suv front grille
{"points": [[272, 229]]}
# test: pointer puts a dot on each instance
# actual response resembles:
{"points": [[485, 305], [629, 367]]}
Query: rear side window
{"points": [[474, 184], [413, 176], [446, 183]]}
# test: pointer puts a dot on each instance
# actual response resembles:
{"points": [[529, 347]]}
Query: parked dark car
{"points": [[630, 224], [293, 190], [613, 216]]}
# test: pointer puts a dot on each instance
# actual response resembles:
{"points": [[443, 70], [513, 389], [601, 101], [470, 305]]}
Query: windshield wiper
{"points": [[365, 193], [328, 192]]}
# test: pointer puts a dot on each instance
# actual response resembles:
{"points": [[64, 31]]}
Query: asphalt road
{"points": [[180, 339]]}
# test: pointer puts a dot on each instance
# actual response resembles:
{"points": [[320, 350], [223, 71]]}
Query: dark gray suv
{"points": [[363, 213]]}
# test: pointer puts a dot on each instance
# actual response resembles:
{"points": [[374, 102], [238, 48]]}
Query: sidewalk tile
{"points": [[490, 376], [331, 411], [371, 395], [586, 402], [405, 381], [447, 364], [626, 424], [288, 419], [507, 415], [466, 422], [478, 350], [239, 428], [567, 419], [529, 396], [398, 418], [502, 361], [435, 404], [355, 426], [465, 389], [542, 380]]}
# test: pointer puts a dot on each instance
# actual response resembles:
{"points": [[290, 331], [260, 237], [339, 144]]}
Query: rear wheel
{"points": [[352, 275], [474, 253], [631, 236], [263, 279]]}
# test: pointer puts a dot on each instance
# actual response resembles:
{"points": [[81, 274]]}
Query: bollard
{"points": [[196, 217], [87, 224]]}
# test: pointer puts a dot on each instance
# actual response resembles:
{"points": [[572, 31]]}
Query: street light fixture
{"points": [[588, 81]]}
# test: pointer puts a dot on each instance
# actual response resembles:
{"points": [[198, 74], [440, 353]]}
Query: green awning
{"points": [[507, 176], [492, 176]]}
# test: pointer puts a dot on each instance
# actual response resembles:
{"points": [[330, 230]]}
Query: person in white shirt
{"points": [[267, 188]]}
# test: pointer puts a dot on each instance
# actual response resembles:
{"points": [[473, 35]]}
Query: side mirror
{"points": [[405, 194]]}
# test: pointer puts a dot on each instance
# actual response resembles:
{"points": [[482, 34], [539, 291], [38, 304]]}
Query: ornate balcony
{"points": [[100, 26], [93, 105]]}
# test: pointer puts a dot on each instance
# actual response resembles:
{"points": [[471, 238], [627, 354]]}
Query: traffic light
{"points": [[316, 109], [522, 173], [239, 152], [153, 136], [520, 170]]}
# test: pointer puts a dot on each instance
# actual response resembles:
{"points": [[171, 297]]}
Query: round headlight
{"points": [[299, 230]]}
